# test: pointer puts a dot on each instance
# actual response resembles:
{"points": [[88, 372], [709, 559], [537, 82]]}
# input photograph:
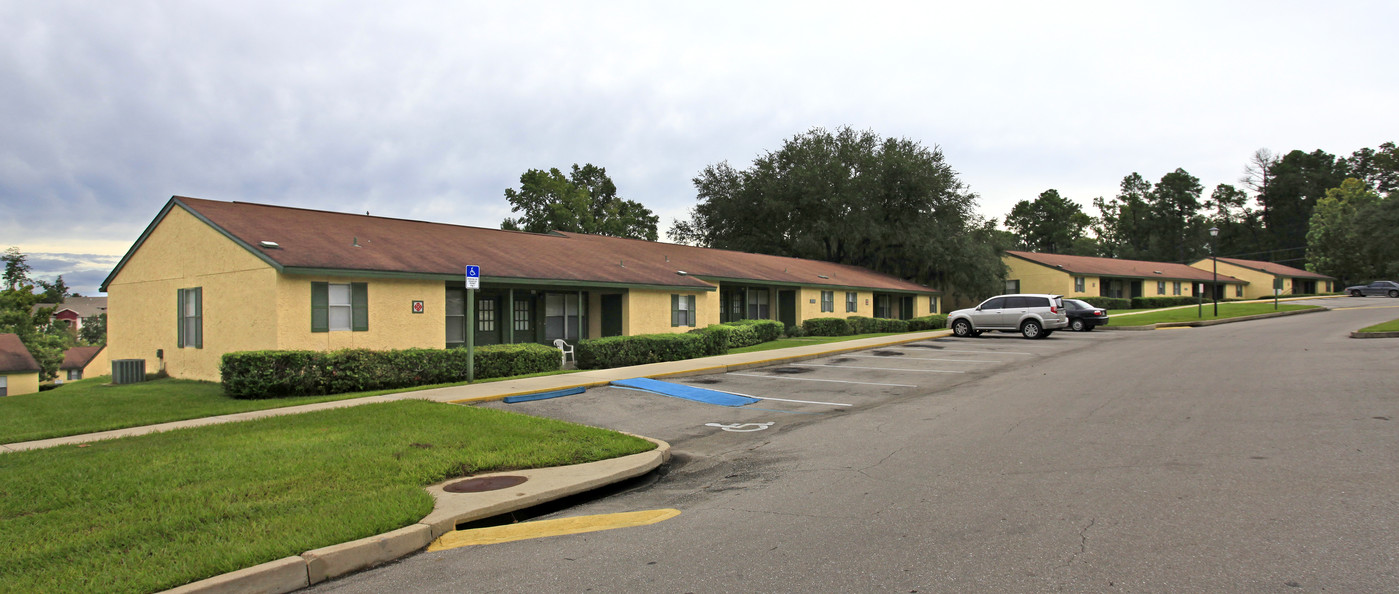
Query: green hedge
{"points": [[862, 325], [1107, 302], [767, 330], [739, 335], [624, 351], [1157, 302], [275, 374], [932, 322], [890, 325], [827, 327]]}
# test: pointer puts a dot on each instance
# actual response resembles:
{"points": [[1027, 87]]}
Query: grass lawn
{"points": [[92, 405], [1190, 314], [1390, 326], [148, 513], [783, 343]]}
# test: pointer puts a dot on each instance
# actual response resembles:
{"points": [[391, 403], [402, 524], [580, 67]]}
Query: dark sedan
{"points": [[1083, 316], [1383, 288]]}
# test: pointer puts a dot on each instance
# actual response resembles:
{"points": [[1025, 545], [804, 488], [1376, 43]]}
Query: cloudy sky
{"points": [[429, 110]]}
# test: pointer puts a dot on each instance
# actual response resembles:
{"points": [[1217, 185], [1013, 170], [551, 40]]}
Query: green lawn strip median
{"points": [[147, 513], [1192, 314], [94, 404], [1390, 326], [784, 343]]}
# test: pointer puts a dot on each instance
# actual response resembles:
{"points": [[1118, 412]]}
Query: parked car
{"points": [[1033, 315], [1389, 288], [1083, 316]]}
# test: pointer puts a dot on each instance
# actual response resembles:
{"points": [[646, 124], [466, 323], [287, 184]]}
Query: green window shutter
{"points": [[674, 310], [320, 307], [180, 317], [198, 317], [359, 307], [693, 315]]}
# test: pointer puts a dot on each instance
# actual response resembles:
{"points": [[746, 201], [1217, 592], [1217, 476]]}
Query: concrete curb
{"points": [[1374, 334], [1200, 323], [542, 486]]}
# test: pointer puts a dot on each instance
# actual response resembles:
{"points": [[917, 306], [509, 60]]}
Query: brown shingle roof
{"points": [[79, 357], [85, 307], [14, 358], [1275, 268], [312, 240], [1123, 268]]}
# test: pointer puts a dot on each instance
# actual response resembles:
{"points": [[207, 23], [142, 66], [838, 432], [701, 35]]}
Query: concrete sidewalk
{"points": [[487, 391]]}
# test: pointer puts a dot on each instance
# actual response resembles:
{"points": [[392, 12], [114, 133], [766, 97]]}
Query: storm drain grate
{"points": [[485, 483]]}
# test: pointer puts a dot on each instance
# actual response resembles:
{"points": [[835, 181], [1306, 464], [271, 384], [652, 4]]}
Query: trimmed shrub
{"points": [[1155, 302], [735, 336], [826, 327], [275, 374], [932, 322], [891, 325], [1107, 302], [623, 351], [767, 330], [862, 325]]}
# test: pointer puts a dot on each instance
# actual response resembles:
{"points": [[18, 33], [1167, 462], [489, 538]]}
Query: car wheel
{"points": [[962, 328], [1394, 293], [1078, 326], [1031, 329], [1356, 294]]}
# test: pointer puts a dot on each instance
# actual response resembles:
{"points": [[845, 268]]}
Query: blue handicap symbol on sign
{"points": [[473, 271]]}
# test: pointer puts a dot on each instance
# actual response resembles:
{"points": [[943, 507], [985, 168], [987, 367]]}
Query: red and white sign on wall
{"points": [[418, 307]]}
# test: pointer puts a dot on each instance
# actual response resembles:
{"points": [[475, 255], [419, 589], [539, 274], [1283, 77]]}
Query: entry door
{"points": [[611, 315], [787, 307]]}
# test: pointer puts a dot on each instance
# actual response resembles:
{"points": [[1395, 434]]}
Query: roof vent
{"points": [[269, 245], [681, 272], [822, 276], [1158, 272]]}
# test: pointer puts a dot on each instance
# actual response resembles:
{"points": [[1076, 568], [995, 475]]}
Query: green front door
{"points": [[611, 315], [787, 307]]}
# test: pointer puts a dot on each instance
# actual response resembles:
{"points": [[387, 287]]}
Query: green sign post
{"points": [[1277, 290]]}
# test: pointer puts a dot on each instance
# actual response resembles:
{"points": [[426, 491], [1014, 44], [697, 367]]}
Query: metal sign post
{"points": [[473, 282]]}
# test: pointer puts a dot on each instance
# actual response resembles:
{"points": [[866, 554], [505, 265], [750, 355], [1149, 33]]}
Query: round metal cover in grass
{"points": [[485, 483]]}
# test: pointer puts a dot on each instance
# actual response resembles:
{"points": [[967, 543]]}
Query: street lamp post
{"points": [[1214, 260]]}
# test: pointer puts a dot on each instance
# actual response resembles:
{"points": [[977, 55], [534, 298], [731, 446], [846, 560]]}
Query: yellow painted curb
{"points": [[543, 528]]}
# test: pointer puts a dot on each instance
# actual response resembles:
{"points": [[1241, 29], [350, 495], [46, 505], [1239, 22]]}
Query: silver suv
{"points": [[1033, 315]]}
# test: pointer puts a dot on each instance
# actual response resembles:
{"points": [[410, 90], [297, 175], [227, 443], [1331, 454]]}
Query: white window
{"points": [[758, 308], [340, 308], [852, 302], [1078, 284], [4, 389], [1012, 286]]}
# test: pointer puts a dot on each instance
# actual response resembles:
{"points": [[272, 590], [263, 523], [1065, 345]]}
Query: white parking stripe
{"points": [[812, 379], [984, 352], [875, 368], [919, 359], [782, 399]]}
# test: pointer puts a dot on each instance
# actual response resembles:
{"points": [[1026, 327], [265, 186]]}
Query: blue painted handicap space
{"points": [[543, 395], [687, 392]]}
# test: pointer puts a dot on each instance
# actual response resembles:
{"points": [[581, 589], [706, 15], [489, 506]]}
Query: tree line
{"points": [[896, 206], [1314, 210]]}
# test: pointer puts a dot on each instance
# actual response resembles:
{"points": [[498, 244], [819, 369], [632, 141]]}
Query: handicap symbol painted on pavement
{"points": [[741, 427]]}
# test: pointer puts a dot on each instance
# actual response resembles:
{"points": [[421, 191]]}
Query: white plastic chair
{"points": [[565, 351]]}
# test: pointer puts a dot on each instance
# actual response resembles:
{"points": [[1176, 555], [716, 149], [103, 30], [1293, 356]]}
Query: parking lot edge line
{"points": [[812, 379]]}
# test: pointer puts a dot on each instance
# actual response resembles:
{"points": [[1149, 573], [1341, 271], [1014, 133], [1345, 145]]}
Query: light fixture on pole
{"points": [[1214, 289]]}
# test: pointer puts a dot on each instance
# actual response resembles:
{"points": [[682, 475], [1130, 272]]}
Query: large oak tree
{"points": [[853, 197]]}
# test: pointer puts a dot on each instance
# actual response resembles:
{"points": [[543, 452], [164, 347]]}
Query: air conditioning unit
{"points": [[128, 371]]}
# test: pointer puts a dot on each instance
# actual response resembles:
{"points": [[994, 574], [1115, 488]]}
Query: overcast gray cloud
{"points": [[430, 110]]}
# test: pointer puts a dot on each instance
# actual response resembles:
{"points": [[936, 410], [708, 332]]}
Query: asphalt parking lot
{"points": [[796, 394]]}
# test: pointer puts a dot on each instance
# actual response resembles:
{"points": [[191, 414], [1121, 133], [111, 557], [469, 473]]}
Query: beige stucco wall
{"points": [[18, 384], [99, 365], [239, 298], [392, 323], [1037, 278], [647, 311]]}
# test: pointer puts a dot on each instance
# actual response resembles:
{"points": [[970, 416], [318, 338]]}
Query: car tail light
{"points": [[1098, 312], [1053, 309]]}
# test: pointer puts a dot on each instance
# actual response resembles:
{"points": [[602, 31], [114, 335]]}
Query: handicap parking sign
{"points": [[473, 277]]}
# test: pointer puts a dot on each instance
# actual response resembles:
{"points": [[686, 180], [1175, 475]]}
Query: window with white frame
{"points": [[1078, 284], [1175, 288], [191, 329], [828, 301], [682, 310], [852, 302]]}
